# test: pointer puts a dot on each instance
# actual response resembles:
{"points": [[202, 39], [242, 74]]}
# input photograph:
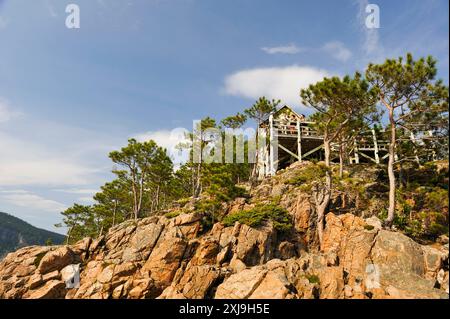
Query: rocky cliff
{"points": [[162, 257]]}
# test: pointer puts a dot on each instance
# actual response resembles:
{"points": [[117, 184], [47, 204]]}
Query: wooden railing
{"points": [[282, 128], [290, 129]]}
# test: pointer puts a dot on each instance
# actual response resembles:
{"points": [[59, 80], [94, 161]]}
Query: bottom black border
{"points": [[130, 309]]}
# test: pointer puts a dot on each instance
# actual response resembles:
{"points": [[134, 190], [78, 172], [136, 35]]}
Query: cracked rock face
{"points": [[161, 258], [157, 257]]}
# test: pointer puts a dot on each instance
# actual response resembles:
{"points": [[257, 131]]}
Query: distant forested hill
{"points": [[15, 233]]}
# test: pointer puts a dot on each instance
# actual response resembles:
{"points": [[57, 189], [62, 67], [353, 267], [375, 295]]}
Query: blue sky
{"points": [[143, 68]]}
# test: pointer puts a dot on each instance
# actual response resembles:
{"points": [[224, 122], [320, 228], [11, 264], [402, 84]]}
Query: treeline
{"points": [[402, 92]]}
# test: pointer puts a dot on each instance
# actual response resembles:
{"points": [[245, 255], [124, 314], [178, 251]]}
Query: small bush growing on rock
{"points": [[38, 258], [172, 214], [308, 174], [261, 213], [313, 279]]}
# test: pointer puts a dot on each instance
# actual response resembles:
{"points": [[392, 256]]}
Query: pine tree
{"points": [[405, 88], [339, 103]]}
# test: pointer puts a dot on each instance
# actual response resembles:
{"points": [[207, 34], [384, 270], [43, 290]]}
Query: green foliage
{"points": [[144, 166], [81, 221], [38, 258], [368, 227], [422, 212], [310, 173], [172, 214], [261, 213], [313, 279], [261, 109], [340, 104], [235, 121]]}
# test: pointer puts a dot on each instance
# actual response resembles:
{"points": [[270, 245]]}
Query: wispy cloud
{"points": [[338, 51], [277, 82], [23, 198], [30, 160], [82, 191], [286, 49], [86, 200], [51, 9], [371, 44], [335, 49], [168, 139], [6, 112]]}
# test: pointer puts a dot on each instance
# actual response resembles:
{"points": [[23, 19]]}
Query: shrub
{"points": [[38, 258], [313, 279], [172, 214], [261, 213], [308, 174]]}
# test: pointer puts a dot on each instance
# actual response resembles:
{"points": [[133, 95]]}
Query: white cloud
{"points": [[86, 200], [338, 50], [81, 191], [169, 140], [29, 163], [6, 113], [51, 9], [287, 49], [275, 83], [31, 201]]}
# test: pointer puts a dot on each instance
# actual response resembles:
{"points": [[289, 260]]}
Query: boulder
{"points": [[53, 289], [242, 284], [56, 260]]}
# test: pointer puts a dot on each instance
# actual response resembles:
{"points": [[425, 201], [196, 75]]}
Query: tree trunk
{"points": [[197, 180], [101, 232], [322, 207], [391, 210], [254, 174], [69, 233], [341, 160], [114, 214], [135, 212], [157, 197]]}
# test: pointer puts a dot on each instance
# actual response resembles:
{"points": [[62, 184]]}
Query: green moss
{"points": [[313, 279], [258, 215], [38, 258], [183, 201], [308, 174], [368, 227], [172, 214]]}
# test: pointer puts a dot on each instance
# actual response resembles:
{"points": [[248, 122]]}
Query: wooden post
{"points": [[299, 141], [355, 151], [375, 145], [272, 169], [413, 140], [433, 154]]}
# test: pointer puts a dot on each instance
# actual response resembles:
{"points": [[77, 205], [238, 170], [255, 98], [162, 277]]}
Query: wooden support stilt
{"points": [[375, 143], [288, 151], [433, 154], [272, 150], [355, 151], [313, 151], [299, 141], [413, 140], [368, 157]]}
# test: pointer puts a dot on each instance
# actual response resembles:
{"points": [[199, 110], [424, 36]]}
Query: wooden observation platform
{"points": [[292, 138]]}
